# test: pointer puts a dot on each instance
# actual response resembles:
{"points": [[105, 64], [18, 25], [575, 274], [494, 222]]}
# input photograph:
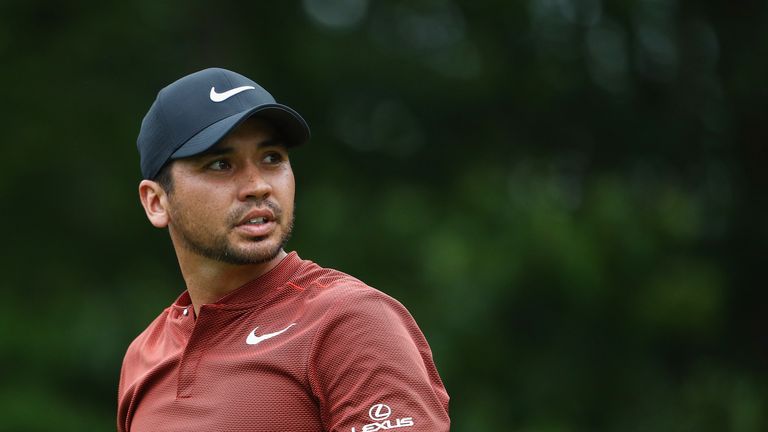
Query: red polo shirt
{"points": [[301, 348]]}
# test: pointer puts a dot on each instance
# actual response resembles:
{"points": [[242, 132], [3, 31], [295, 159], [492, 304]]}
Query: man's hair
{"points": [[164, 177]]}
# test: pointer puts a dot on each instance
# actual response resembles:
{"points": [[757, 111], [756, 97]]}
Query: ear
{"points": [[155, 202]]}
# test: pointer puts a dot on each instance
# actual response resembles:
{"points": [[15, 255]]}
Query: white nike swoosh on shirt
{"points": [[253, 339], [221, 97]]}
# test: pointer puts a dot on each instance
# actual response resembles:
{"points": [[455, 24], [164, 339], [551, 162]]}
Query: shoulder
{"points": [[339, 292], [351, 312], [368, 350]]}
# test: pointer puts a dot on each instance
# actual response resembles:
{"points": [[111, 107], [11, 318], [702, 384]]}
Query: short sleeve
{"points": [[371, 368]]}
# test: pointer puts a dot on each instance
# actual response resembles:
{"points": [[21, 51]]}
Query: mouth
{"points": [[257, 223], [261, 220], [257, 217]]}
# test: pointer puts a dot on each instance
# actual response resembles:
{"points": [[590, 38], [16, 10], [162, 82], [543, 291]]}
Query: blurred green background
{"points": [[567, 194]]}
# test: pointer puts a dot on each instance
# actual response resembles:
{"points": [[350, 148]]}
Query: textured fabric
{"points": [[301, 348]]}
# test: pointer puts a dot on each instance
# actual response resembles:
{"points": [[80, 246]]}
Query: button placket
{"points": [[194, 351]]}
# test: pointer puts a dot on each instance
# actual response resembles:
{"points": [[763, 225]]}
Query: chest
{"points": [[231, 373]]}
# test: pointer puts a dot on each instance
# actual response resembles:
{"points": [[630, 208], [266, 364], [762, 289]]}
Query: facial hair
{"points": [[218, 248]]}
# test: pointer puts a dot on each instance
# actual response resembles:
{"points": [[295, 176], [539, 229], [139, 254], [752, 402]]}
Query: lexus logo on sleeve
{"points": [[380, 414]]}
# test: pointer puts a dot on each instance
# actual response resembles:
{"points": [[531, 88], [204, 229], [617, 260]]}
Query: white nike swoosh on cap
{"points": [[253, 339], [221, 97]]}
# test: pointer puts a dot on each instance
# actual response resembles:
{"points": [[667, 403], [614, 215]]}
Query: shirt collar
{"points": [[255, 289]]}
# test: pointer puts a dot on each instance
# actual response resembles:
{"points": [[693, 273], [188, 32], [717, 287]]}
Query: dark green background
{"points": [[567, 194]]}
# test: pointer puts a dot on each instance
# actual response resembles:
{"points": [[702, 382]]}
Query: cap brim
{"points": [[289, 124]]}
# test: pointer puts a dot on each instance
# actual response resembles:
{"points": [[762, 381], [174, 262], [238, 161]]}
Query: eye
{"points": [[219, 165], [273, 158]]}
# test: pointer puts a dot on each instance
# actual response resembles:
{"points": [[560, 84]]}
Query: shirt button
{"points": [[186, 312]]}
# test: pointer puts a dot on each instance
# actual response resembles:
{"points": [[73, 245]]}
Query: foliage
{"points": [[568, 195]]}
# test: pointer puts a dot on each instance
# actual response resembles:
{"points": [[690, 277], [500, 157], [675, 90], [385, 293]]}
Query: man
{"points": [[261, 340]]}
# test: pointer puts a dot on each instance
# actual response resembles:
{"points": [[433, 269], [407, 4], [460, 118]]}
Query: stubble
{"points": [[217, 246]]}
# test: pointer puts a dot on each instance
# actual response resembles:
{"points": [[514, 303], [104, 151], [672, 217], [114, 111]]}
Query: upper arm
{"points": [[370, 363]]}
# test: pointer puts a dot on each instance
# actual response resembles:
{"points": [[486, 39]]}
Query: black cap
{"points": [[192, 114]]}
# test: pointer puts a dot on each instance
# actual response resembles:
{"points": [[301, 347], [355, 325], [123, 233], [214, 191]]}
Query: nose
{"points": [[253, 185]]}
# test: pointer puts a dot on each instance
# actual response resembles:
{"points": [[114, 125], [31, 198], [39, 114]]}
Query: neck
{"points": [[209, 280]]}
